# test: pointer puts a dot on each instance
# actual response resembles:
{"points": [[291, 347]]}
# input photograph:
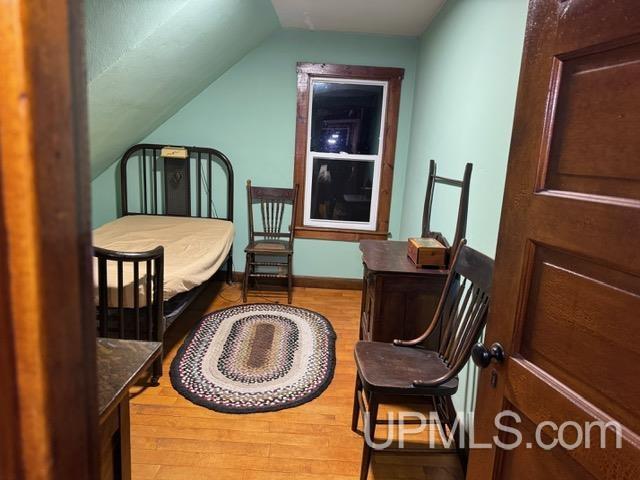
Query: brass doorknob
{"points": [[482, 355]]}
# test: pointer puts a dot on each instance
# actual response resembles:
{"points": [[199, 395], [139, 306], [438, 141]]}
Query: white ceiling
{"points": [[390, 17]]}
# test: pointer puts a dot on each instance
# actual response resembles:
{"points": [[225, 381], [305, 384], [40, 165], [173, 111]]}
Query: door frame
{"points": [[47, 320]]}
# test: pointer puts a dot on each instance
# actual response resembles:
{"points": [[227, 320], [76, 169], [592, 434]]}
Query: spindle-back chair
{"points": [[134, 308], [270, 249], [405, 369]]}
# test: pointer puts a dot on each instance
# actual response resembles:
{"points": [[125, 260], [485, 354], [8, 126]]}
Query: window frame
{"points": [[376, 159], [307, 72]]}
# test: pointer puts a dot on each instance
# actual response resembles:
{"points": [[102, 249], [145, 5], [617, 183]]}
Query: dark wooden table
{"points": [[120, 364], [398, 298]]}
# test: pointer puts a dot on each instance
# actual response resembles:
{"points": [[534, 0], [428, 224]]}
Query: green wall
{"points": [[468, 67], [249, 113], [466, 81], [104, 196]]}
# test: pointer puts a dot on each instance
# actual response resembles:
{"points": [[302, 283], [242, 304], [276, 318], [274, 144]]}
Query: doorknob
{"points": [[482, 355]]}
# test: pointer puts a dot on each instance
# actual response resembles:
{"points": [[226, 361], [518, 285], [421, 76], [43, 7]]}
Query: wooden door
{"points": [[48, 407], [566, 298]]}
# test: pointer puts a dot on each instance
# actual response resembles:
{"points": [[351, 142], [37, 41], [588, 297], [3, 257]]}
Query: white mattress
{"points": [[194, 249]]}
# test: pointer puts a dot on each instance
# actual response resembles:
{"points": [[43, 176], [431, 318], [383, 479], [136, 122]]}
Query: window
{"points": [[345, 146]]}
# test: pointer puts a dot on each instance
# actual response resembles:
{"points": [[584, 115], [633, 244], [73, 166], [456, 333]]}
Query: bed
{"points": [[171, 238]]}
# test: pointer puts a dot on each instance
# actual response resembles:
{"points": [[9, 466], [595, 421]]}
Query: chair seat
{"points": [[386, 368], [269, 246]]}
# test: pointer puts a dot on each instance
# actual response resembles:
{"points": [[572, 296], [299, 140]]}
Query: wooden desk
{"points": [[120, 365], [398, 298]]}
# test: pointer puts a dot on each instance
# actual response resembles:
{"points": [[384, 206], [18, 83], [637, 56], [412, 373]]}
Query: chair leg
{"points": [[369, 434], [449, 417], [230, 270], [245, 280], [156, 372], [355, 416], [289, 278]]}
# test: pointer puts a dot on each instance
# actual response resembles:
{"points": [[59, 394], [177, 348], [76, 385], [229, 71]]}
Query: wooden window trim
{"points": [[394, 76]]}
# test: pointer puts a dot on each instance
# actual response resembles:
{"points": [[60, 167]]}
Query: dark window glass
{"points": [[346, 118], [341, 190]]}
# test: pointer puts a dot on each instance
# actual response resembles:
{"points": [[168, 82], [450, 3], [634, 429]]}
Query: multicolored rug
{"points": [[256, 358]]}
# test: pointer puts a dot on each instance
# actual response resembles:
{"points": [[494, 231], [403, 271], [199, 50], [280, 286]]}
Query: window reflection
{"points": [[341, 190], [346, 118]]}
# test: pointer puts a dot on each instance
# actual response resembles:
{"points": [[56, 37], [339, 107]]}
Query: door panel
{"points": [[524, 463], [566, 291], [539, 397], [582, 314], [585, 128]]}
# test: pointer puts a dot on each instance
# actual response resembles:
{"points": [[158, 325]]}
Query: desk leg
{"points": [[115, 444], [123, 442]]}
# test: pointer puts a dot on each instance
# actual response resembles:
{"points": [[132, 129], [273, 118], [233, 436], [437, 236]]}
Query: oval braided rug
{"points": [[255, 358]]}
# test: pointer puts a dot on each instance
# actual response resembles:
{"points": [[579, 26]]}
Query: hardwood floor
{"points": [[173, 439]]}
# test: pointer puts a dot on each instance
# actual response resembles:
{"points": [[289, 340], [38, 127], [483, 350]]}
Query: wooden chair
{"points": [[404, 371], [134, 309], [463, 206], [270, 250]]}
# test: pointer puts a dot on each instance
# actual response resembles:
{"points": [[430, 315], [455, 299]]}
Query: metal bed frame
{"points": [[166, 188]]}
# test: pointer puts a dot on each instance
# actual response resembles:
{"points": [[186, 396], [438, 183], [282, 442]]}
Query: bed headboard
{"points": [[174, 180]]}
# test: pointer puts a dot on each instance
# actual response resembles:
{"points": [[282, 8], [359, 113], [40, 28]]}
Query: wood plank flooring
{"points": [[173, 439]]}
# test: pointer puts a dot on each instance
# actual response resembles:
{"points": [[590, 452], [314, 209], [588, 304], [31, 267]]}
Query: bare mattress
{"points": [[194, 249]]}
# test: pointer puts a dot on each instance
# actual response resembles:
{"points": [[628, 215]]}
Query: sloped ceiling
{"points": [[148, 58]]}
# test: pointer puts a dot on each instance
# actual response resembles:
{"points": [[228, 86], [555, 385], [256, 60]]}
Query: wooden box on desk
{"points": [[427, 252]]}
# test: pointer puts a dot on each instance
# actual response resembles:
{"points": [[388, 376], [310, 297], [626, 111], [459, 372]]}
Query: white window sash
{"points": [[371, 225]]}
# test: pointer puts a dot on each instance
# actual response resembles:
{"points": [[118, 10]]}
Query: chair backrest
{"points": [[461, 312], [272, 203], [464, 184], [130, 293], [463, 305]]}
